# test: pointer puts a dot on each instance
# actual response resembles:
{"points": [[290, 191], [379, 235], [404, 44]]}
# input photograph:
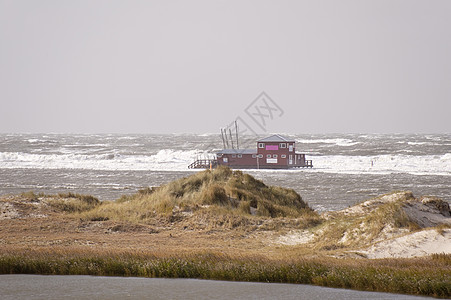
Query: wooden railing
{"points": [[203, 164]]}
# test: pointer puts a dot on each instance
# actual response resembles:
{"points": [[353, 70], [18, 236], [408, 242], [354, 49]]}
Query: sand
{"points": [[417, 244], [430, 215]]}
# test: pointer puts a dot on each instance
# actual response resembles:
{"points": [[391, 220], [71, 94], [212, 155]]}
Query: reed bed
{"points": [[423, 276]]}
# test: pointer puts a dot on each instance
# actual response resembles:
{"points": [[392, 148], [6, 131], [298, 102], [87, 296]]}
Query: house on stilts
{"points": [[272, 152]]}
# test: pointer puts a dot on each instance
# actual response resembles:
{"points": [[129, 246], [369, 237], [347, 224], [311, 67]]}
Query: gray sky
{"points": [[194, 66]]}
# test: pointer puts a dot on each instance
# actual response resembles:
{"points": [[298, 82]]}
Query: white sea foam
{"points": [[207, 134], [178, 160], [164, 159], [385, 164], [338, 142]]}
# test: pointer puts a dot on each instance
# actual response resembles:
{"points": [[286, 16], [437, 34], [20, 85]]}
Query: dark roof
{"points": [[238, 151], [276, 139]]}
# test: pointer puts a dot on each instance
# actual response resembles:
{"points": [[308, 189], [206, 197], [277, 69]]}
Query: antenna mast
{"points": [[226, 138], [236, 131], [222, 137], [231, 138]]}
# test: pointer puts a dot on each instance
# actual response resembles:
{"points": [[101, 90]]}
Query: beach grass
{"points": [[70, 202], [420, 276], [234, 192]]}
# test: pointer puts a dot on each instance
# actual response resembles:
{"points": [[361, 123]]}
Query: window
{"points": [[254, 155], [219, 155], [239, 155], [282, 145], [271, 160], [268, 155], [233, 155], [274, 156], [283, 156], [260, 156], [225, 159], [261, 145]]}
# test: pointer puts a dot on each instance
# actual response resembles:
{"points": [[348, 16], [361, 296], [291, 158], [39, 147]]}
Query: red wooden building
{"points": [[273, 152]]}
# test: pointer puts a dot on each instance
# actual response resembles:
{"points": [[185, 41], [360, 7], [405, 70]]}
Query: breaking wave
{"points": [[385, 164], [178, 160], [334, 142], [165, 159]]}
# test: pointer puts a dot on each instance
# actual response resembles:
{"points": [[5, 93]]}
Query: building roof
{"points": [[276, 139], [238, 151]]}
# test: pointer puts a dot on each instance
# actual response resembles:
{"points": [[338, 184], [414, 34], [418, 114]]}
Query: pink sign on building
{"points": [[272, 147]]}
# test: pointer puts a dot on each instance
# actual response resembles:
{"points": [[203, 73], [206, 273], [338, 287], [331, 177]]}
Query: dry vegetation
{"points": [[230, 191], [380, 219], [426, 276], [221, 224]]}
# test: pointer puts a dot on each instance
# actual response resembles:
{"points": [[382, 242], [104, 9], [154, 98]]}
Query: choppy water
{"points": [[87, 287], [348, 168]]}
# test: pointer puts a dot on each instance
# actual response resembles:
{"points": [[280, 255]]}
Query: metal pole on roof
{"points": [[226, 138], [231, 138], [222, 137], [236, 130]]}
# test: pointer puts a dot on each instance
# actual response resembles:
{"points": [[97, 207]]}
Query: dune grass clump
{"points": [[235, 191], [31, 196], [70, 202], [214, 195], [365, 228], [390, 214]]}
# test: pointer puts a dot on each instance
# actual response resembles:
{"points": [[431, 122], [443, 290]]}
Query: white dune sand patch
{"points": [[8, 211], [392, 225], [295, 237], [417, 244]]}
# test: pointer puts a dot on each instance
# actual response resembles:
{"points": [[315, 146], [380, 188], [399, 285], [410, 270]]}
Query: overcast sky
{"points": [[194, 66]]}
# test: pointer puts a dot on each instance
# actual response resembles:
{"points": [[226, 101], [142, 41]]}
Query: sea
{"points": [[347, 168]]}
